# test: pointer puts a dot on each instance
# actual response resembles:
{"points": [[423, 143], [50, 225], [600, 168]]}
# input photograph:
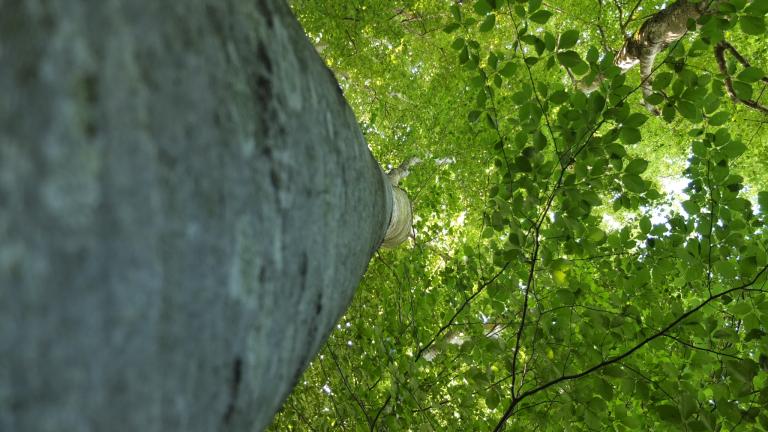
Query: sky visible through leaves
{"points": [[577, 263]]}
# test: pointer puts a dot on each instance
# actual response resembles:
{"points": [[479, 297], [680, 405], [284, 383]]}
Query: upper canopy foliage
{"points": [[578, 263]]}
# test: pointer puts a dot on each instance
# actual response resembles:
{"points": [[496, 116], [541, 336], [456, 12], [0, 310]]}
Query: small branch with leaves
{"points": [[720, 51]]}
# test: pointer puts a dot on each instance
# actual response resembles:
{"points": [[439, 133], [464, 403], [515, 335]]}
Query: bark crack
{"points": [[234, 390]]}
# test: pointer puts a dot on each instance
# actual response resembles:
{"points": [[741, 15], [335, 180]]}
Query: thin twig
{"points": [[744, 287]]}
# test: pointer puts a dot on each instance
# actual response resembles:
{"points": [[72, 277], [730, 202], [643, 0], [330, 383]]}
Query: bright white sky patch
{"points": [[673, 187], [611, 222]]}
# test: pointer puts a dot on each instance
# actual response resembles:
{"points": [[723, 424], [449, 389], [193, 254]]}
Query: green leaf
{"points": [[630, 135], [757, 8], [492, 399], [596, 235], [534, 5], [568, 39], [668, 413], [743, 90], [633, 183], [635, 120], [558, 97], [689, 111], [742, 370], [456, 12], [751, 74], [452, 27], [762, 200], [565, 296], [490, 120], [464, 55], [482, 7], [474, 115], [668, 113], [458, 43], [734, 149], [568, 59], [508, 70], [531, 60], [645, 224], [637, 166], [488, 23], [541, 16], [654, 98], [719, 118], [661, 81], [725, 334], [690, 207], [752, 25]]}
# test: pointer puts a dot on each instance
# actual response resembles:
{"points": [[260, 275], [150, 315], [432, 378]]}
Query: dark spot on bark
{"points": [[261, 84], [263, 57], [265, 11], [89, 128], [275, 178], [26, 74], [90, 88], [303, 265], [262, 90], [319, 303], [215, 19], [263, 274], [166, 158], [234, 388], [47, 22], [86, 89]]}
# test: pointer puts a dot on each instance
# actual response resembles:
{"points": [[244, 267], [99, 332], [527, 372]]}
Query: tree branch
{"points": [[515, 400], [720, 50], [461, 308], [692, 346], [624, 23], [349, 389]]}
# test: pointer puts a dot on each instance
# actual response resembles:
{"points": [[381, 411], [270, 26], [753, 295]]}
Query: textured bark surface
{"points": [[654, 35], [186, 208]]}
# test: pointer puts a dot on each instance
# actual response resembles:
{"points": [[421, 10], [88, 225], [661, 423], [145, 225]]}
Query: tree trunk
{"points": [[186, 208]]}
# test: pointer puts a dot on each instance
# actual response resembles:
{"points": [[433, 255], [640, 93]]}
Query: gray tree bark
{"points": [[186, 208]]}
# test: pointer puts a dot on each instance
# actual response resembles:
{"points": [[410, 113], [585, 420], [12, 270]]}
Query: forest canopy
{"points": [[582, 259]]}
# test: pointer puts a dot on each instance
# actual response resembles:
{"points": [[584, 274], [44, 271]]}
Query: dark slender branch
{"points": [[378, 413], [331, 395], [740, 58], [515, 400], [650, 380], [580, 146], [375, 383], [610, 255], [346, 384], [600, 29], [711, 227], [692, 346], [629, 17], [302, 418], [621, 14], [536, 93], [461, 308]]}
